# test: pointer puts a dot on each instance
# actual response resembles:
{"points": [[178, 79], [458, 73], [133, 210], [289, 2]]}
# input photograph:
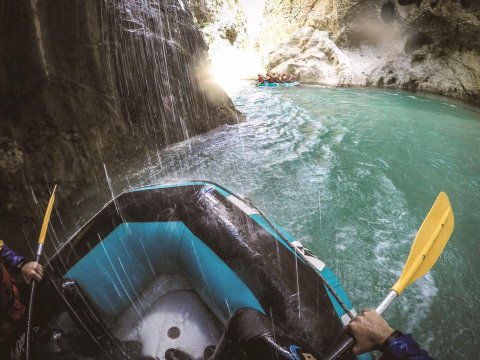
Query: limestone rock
{"points": [[315, 56], [86, 85], [429, 45], [222, 22]]}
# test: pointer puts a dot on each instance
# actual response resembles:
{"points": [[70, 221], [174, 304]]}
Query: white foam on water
{"points": [[417, 301], [345, 237], [381, 249], [393, 236], [341, 247], [451, 105]]}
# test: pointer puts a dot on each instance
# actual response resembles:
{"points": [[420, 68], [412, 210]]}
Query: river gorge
{"points": [[104, 96]]}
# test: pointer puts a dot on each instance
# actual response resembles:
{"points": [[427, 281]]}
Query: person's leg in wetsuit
{"points": [[251, 335]]}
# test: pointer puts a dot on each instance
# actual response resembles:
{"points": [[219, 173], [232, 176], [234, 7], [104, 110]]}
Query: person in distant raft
{"points": [[12, 308]]}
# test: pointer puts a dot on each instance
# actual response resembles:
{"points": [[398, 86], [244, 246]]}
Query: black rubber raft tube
{"points": [[284, 278]]}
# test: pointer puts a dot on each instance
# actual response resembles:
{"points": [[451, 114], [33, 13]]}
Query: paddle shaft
{"points": [[433, 235], [348, 343], [30, 307], [392, 295]]}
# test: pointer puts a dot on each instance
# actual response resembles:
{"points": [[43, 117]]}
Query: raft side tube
{"points": [[181, 224]]}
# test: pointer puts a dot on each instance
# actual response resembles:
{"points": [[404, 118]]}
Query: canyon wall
{"points": [[222, 22], [429, 45], [87, 85]]}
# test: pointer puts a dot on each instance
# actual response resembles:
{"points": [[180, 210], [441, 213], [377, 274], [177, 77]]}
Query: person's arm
{"points": [[400, 346], [372, 332], [12, 260], [17, 264]]}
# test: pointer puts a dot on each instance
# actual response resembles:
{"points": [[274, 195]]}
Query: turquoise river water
{"points": [[352, 173]]}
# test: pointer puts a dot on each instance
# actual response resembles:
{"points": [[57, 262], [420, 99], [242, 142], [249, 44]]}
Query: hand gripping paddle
{"points": [[429, 243]]}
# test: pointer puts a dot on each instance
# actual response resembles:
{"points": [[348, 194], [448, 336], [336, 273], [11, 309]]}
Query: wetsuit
{"points": [[400, 346], [13, 261], [11, 308], [250, 336]]}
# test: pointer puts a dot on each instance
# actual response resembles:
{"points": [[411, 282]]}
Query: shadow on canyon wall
{"points": [[90, 83]]}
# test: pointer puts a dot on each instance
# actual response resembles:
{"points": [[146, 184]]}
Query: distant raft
{"points": [[189, 268], [267, 84]]}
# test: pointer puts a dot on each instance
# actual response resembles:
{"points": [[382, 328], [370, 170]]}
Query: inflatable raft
{"points": [[187, 271], [267, 84]]}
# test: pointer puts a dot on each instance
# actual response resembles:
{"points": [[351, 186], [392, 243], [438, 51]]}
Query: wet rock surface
{"points": [[86, 85], [222, 22], [417, 45], [313, 54]]}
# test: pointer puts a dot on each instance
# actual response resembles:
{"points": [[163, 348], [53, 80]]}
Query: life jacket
{"points": [[11, 307]]}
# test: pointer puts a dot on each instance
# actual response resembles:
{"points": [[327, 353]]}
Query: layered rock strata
{"points": [[429, 45], [86, 85]]}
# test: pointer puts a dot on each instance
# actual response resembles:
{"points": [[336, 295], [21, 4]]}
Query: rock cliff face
{"points": [[222, 22], [87, 84], [315, 56], [429, 45]]}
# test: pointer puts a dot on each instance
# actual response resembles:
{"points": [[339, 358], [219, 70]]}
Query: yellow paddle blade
{"points": [[46, 218], [429, 243]]}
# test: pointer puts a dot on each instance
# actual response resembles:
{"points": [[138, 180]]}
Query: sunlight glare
{"points": [[229, 66]]}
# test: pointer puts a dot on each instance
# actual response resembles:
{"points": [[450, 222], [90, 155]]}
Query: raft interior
{"points": [[167, 266]]}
